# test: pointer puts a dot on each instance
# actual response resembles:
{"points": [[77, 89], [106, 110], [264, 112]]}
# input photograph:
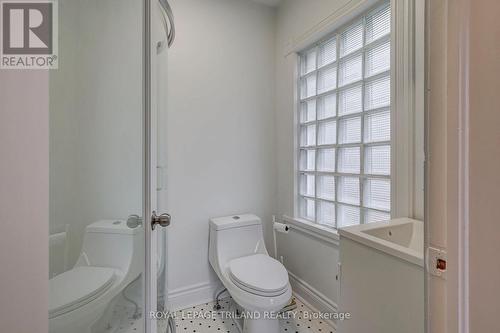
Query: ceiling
{"points": [[272, 3]]}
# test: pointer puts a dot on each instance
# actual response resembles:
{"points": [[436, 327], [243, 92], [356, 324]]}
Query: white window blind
{"points": [[345, 124]]}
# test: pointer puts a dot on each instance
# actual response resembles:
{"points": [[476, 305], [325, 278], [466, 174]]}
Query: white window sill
{"points": [[316, 230]]}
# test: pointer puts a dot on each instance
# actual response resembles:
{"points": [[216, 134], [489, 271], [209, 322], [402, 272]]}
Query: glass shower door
{"points": [[99, 231]]}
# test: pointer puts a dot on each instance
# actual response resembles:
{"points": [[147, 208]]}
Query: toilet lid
{"points": [[259, 274], [77, 287]]}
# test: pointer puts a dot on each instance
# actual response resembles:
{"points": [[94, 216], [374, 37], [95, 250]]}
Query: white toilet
{"points": [[109, 260], [257, 282]]}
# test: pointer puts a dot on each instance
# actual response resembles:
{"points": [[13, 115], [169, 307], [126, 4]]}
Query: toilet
{"points": [[110, 259], [256, 282]]}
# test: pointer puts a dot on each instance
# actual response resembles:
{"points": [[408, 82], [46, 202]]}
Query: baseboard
{"points": [[312, 298], [192, 295], [199, 293]]}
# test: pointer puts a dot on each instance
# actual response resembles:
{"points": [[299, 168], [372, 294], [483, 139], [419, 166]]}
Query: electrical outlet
{"points": [[436, 262]]}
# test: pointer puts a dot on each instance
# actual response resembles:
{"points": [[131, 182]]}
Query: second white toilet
{"points": [[110, 259], [257, 282]]}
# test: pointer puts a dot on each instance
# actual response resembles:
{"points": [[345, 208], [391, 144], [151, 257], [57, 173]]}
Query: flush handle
{"points": [[162, 220]]}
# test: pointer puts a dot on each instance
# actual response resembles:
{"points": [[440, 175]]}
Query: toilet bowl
{"points": [[110, 259], [257, 282]]}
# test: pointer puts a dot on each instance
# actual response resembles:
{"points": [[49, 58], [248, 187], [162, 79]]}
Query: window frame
{"points": [[401, 109]]}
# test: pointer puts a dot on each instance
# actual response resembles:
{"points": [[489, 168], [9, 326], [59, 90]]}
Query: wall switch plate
{"points": [[436, 262]]}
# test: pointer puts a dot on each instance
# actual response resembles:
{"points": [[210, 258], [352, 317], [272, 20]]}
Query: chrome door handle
{"points": [[163, 220]]}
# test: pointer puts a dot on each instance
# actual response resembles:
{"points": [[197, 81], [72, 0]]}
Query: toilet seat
{"points": [[77, 287], [259, 274]]}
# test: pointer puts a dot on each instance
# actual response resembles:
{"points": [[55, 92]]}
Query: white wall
{"points": [[484, 180], [438, 53], [96, 116], [220, 131], [24, 211]]}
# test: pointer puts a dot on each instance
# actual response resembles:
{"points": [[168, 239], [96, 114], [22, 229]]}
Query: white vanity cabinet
{"points": [[382, 278]]}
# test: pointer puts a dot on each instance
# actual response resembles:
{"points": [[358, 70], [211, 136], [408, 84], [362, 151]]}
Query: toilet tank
{"points": [[233, 237], [111, 243]]}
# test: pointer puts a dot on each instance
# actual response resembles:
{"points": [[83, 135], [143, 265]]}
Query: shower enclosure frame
{"points": [[150, 296], [149, 283]]}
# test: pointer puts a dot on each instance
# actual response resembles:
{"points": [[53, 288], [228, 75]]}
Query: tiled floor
{"points": [[201, 319], [124, 318]]}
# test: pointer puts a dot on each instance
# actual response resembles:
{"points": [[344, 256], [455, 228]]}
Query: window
{"points": [[344, 157]]}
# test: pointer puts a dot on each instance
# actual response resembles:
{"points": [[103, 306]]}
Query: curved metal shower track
{"points": [[167, 19]]}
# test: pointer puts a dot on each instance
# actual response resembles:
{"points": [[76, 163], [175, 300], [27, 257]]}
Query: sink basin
{"points": [[402, 237]]}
